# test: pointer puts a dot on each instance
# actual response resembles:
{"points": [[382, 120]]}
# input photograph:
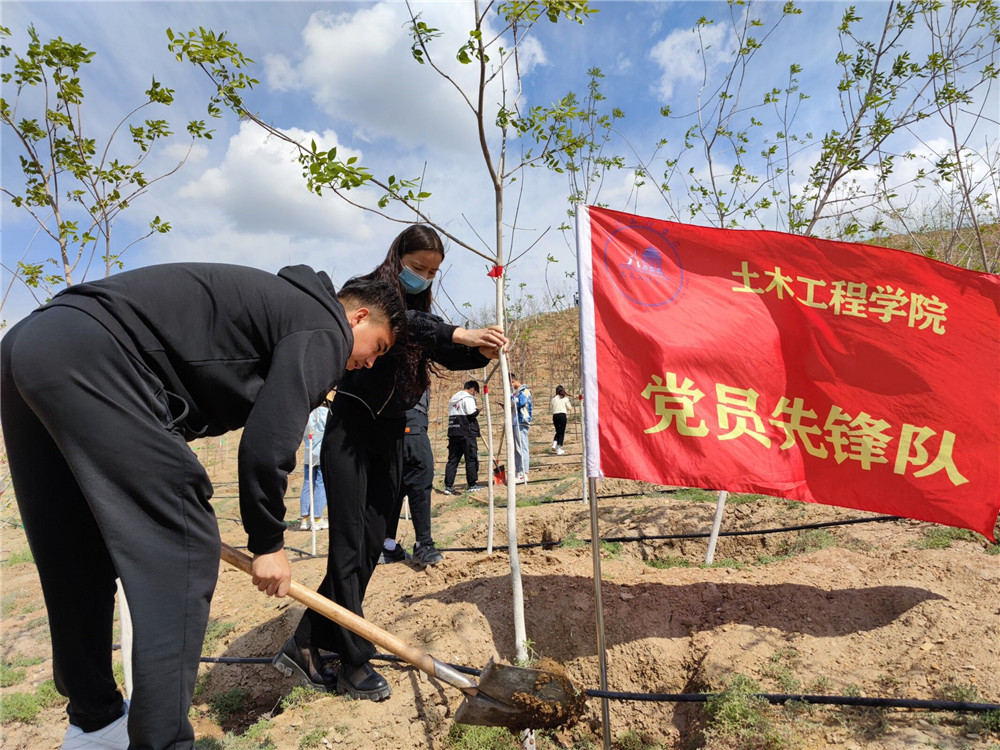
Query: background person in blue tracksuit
{"points": [[521, 406]]}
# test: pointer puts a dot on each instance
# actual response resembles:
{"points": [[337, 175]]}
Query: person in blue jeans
{"points": [[313, 439], [521, 406]]}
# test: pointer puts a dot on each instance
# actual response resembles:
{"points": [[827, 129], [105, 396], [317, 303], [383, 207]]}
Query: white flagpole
{"points": [[720, 506], [591, 458]]}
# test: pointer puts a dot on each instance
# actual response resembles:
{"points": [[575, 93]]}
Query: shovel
{"points": [[505, 696]]}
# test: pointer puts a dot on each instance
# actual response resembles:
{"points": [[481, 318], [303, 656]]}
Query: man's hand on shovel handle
{"points": [[272, 573]]}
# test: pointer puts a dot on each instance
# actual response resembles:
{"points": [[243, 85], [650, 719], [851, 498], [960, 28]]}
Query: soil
{"points": [[869, 609]]}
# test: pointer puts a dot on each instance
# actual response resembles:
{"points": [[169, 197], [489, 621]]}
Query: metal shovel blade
{"points": [[521, 698]]}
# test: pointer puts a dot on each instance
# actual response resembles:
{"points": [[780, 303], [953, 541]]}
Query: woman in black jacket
{"points": [[362, 461]]}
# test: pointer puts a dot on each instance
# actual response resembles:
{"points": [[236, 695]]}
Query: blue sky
{"points": [[341, 72]]}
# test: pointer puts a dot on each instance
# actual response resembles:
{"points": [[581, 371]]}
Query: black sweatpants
{"points": [[418, 476], [458, 448], [106, 487], [559, 422], [362, 460]]}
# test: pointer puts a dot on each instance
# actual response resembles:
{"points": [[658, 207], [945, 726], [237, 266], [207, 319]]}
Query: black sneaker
{"points": [[393, 555], [476, 487], [427, 554], [449, 491], [363, 682], [305, 662]]}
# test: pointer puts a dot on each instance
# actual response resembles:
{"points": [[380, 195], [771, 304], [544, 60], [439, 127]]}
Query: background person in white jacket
{"points": [[560, 407], [463, 434]]}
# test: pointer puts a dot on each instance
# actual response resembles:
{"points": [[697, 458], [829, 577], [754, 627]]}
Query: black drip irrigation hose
{"points": [[652, 493], [654, 537], [775, 698], [780, 698], [698, 535]]}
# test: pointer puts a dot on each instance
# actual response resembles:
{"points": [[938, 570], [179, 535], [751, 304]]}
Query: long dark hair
{"points": [[413, 363], [560, 391]]}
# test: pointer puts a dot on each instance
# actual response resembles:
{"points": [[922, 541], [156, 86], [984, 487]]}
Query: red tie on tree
{"points": [[496, 272]]}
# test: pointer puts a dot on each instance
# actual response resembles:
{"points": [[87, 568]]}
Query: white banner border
{"points": [[588, 339]]}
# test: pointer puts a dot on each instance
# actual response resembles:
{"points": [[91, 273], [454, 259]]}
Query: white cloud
{"points": [[268, 250], [679, 57], [358, 68], [623, 64], [258, 187], [190, 153]]}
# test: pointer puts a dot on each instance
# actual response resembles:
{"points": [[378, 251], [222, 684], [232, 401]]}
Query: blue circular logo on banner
{"points": [[644, 264]]}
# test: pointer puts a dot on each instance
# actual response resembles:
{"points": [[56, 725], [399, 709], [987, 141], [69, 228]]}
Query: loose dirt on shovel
{"points": [[542, 712]]}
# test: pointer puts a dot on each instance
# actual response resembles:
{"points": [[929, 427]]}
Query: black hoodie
{"points": [[234, 347]]}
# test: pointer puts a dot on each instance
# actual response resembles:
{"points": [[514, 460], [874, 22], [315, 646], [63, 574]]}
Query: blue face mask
{"points": [[412, 281]]}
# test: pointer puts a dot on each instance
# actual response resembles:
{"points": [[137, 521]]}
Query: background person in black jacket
{"points": [[463, 438], [362, 461], [418, 476], [99, 391]]}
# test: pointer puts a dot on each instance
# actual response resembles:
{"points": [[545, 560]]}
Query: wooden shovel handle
{"points": [[360, 626]]}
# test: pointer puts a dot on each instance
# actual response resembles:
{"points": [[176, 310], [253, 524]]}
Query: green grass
{"points": [[38, 622], [118, 670], [25, 707], [808, 541], [10, 675], [811, 541], [459, 501], [632, 740], [463, 737], [695, 495], [201, 685], [255, 738], [960, 692], [572, 541], [8, 604], [17, 558], [712, 496], [612, 550], [299, 696], [225, 706], [738, 719], [668, 562], [312, 739], [780, 669], [24, 661], [941, 537], [991, 721], [820, 686], [214, 633]]}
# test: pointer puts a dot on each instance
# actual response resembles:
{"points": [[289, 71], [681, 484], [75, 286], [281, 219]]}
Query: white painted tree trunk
{"points": [[490, 463]]}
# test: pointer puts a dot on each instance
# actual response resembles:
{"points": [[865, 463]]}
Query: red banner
{"points": [[821, 371]]}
